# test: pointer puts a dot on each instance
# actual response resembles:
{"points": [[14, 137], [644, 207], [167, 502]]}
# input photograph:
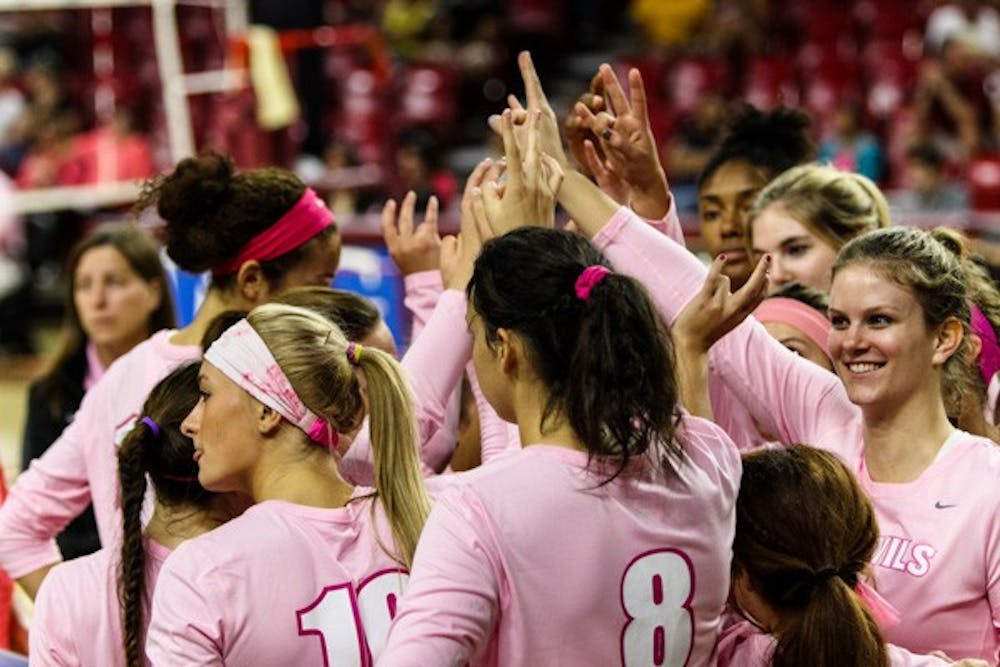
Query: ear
{"points": [[268, 420], [948, 340], [509, 351], [251, 285], [975, 347]]}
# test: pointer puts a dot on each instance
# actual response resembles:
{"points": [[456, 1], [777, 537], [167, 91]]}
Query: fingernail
{"points": [[475, 190], [721, 257], [606, 134], [767, 258]]}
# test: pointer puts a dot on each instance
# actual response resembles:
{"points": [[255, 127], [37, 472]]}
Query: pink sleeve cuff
{"points": [[423, 280], [669, 225], [26, 558]]}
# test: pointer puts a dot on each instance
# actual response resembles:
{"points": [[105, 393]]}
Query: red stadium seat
{"points": [[690, 80], [427, 95], [771, 82]]}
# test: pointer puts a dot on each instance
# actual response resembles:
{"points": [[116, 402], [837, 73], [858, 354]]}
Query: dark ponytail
{"points": [[805, 531], [607, 360], [154, 447]]}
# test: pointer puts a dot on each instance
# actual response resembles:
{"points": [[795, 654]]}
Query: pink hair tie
{"points": [[884, 613], [590, 277], [307, 218], [794, 313], [989, 355]]}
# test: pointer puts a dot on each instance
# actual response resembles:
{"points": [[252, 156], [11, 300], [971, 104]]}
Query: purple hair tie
{"points": [[590, 277], [354, 351], [148, 421]]}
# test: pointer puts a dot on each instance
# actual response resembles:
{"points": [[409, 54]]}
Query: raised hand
{"points": [[458, 253], [412, 249], [715, 311], [625, 139], [535, 100], [577, 130], [533, 180]]}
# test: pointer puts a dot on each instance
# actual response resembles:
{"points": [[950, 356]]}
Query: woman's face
{"points": [[114, 303], [881, 346], [223, 428], [797, 255], [723, 203]]}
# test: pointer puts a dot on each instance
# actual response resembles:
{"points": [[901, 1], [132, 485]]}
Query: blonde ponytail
{"points": [[394, 437]]}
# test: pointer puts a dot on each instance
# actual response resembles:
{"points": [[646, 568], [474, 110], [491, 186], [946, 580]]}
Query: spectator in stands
{"points": [[949, 104], [418, 168], [849, 147], [11, 98], [406, 22], [978, 20], [46, 106], [927, 188]]}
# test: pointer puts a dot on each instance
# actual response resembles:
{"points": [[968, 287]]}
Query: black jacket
{"points": [[41, 430]]}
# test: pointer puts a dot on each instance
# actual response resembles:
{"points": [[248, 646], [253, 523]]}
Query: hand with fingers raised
{"points": [[631, 158], [528, 196], [535, 100], [577, 131], [716, 311], [458, 253], [412, 248]]}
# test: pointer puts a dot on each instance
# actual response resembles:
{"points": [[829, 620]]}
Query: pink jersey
{"points": [[80, 466], [77, 619], [743, 644], [939, 559], [282, 584], [528, 561]]}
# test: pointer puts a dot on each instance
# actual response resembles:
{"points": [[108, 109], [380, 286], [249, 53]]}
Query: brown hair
{"points": [[312, 352], [212, 211], [804, 533], [166, 457], [141, 253], [356, 316], [834, 205]]}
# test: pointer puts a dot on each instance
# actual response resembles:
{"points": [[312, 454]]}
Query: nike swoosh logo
{"points": [[941, 506]]}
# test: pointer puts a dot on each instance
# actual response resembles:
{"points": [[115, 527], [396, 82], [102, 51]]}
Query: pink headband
{"points": [[797, 314], [242, 356], [589, 278], [307, 218], [989, 356]]}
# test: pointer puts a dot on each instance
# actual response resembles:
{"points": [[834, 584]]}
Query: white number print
{"points": [[657, 589], [353, 626]]}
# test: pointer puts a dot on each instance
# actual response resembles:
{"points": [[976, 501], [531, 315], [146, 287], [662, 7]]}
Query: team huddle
{"points": [[737, 464]]}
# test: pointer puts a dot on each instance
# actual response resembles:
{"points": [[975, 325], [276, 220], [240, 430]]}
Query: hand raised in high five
{"points": [[626, 141], [528, 197], [412, 249], [715, 311], [458, 253], [535, 100]]}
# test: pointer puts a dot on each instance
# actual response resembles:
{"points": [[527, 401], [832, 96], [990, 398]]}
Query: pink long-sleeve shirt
{"points": [[282, 584], [529, 561], [939, 556], [742, 644], [80, 467], [77, 620]]}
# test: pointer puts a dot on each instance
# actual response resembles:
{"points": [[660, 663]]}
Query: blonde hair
{"points": [[312, 352], [835, 205]]}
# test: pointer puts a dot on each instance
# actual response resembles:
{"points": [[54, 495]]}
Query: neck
{"points": [[216, 302], [901, 443], [309, 478], [528, 411], [107, 353], [172, 525]]}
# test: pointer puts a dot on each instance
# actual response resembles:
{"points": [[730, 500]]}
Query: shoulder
{"points": [[705, 442], [76, 585]]}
